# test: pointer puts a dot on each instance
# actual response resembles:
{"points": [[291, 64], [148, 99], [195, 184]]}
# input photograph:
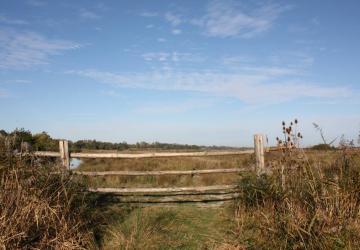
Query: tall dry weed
{"points": [[40, 210]]}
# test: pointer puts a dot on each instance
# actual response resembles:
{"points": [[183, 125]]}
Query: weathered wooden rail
{"points": [[160, 195], [163, 172]]}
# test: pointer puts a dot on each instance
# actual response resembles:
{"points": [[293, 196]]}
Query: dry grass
{"points": [[177, 227], [39, 210], [178, 163], [317, 208], [314, 205]]}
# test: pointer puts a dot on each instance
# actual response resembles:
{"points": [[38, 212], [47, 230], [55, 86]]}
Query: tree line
{"points": [[44, 142]]}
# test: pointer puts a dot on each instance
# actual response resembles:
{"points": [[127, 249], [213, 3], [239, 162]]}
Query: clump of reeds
{"points": [[39, 209], [317, 208]]}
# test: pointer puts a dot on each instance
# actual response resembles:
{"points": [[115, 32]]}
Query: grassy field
{"points": [[177, 163], [313, 202], [252, 222]]}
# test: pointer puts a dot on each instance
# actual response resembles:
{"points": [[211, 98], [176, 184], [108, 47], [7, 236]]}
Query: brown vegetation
{"points": [[317, 208], [39, 210]]}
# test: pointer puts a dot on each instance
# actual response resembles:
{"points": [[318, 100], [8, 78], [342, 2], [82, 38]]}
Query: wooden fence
{"points": [[159, 195]]}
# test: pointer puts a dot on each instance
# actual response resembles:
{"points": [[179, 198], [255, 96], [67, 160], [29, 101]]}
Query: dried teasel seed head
{"points": [[299, 135], [291, 123], [283, 123], [296, 121], [288, 139], [277, 138]]}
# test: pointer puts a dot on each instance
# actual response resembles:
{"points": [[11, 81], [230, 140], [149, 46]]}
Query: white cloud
{"points": [[19, 81], [4, 19], [86, 14], [150, 26], [249, 87], [174, 19], [159, 56], [176, 31], [27, 49], [161, 40], [170, 57], [227, 19]]}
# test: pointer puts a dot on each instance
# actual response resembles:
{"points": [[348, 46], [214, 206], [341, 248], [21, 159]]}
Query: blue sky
{"points": [[199, 72]]}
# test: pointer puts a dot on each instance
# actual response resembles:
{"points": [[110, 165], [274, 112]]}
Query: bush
{"points": [[323, 147], [316, 209], [39, 209]]}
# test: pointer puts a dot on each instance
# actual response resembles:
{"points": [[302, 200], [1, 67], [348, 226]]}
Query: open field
{"points": [[178, 163], [312, 202], [238, 224]]}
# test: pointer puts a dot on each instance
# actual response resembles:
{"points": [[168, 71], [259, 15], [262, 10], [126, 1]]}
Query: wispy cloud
{"points": [[233, 19], [86, 14], [161, 40], [249, 87], [226, 18], [176, 31], [169, 56], [27, 49], [19, 81], [172, 57], [174, 19], [5, 20]]}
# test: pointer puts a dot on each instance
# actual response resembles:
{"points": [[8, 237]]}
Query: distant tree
{"points": [[22, 135], [323, 146], [43, 141]]}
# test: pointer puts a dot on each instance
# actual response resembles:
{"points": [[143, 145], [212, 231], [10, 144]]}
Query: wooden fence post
{"points": [[259, 153], [64, 153]]}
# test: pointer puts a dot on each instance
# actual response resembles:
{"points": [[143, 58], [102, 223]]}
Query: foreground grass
{"points": [[41, 210], [176, 227]]}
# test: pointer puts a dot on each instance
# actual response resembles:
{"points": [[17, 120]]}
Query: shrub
{"points": [[316, 209], [39, 209], [322, 147]]}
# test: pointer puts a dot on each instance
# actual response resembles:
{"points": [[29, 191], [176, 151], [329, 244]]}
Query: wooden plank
{"points": [[153, 173], [200, 189], [259, 153], [183, 198], [46, 154], [149, 155]]}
